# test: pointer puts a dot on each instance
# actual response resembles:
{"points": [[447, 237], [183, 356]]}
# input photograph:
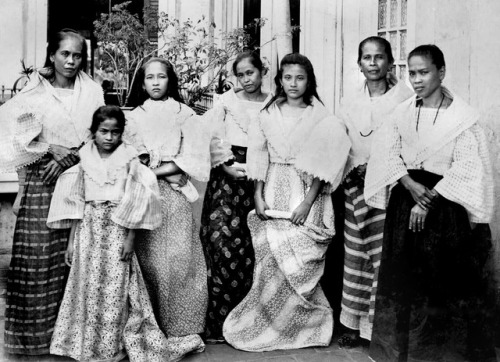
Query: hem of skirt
{"points": [[60, 352], [18, 351], [269, 349]]}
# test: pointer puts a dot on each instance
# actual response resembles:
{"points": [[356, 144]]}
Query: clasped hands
{"points": [[298, 217], [425, 200]]}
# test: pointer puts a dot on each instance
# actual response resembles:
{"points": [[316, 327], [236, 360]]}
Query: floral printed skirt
{"points": [[227, 245], [106, 312], [172, 261]]}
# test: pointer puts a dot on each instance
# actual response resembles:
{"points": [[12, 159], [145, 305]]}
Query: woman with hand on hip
{"points": [[229, 196], [42, 128]]}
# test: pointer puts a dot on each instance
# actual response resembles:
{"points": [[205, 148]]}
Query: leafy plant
{"points": [[190, 46]]}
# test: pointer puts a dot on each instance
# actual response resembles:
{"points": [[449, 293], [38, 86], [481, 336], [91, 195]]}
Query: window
{"points": [[393, 26]]}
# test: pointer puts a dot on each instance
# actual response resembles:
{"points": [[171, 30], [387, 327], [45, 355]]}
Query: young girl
{"points": [[106, 313], [364, 113], [229, 195], [432, 171], [297, 153], [171, 257]]}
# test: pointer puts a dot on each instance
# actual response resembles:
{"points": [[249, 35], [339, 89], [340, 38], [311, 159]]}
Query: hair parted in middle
{"points": [[173, 79], [303, 61]]}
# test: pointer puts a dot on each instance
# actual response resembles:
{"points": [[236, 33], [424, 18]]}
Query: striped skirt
{"points": [[363, 236], [37, 272]]}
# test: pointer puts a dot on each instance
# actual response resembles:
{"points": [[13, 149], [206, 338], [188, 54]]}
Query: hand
{"points": [[261, 207], [235, 173], [180, 179], [417, 218], [127, 249], [64, 156], [68, 256], [299, 215], [421, 195], [52, 171]]}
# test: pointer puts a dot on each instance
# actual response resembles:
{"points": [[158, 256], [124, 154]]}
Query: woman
{"points": [[433, 169], [171, 257], [42, 127], [297, 153], [229, 195], [364, 113]]}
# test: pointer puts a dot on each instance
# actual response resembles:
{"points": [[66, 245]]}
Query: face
{"points": [[374, 62], [156, 81], [424, 76], [294, 81], [68, 58], [108, 136], [248, 76]]}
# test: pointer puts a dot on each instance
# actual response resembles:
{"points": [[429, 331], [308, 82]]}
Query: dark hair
{"points": [[54, 43], [106, 112], [252, 56], [381, 42], [431, 52], [173, 80], [303, 61]]}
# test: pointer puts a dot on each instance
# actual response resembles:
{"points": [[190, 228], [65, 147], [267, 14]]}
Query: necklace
{"points": [[371, 131], [435, 117]]}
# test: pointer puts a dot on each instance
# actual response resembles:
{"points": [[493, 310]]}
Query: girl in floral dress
{"points": [[171, 257], [106, 312], [229, 196], [297, 153]]}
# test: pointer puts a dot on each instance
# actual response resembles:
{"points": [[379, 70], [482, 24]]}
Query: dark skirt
{"points": [[37, 272], [226, 243], [431, 302]]}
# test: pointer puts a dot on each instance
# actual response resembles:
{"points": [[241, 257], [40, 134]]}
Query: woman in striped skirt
{"points": [[41, 129], [363, 114]]}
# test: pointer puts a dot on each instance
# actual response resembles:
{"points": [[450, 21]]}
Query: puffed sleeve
{"points": [[68, 200], [258, 153], [140, 206], [220, 148], [194, 155], [469, 180], [19, 136]]}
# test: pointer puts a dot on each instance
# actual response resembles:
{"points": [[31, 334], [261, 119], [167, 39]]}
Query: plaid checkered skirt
{"points": [[37, 272]]}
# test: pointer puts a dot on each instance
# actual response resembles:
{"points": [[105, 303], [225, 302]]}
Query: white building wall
{"points": [[23, 35]]}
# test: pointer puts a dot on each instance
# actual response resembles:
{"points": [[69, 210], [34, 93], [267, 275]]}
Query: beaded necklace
{"points": [[435, 117]]}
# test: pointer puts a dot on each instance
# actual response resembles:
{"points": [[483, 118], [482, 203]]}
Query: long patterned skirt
{"points": [[286, 307], [227, 245], [106, 313], [363, 233], [431, 299], [37, 272], [173, 265]]}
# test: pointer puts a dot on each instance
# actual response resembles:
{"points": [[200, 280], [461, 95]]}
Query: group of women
{"points": [[145, 281]]}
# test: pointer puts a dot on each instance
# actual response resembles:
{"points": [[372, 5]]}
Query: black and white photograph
{"points": [[250, 180]]}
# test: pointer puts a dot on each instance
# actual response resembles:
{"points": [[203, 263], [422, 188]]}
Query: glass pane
{"points": [[404, 8], [402, 45], [394, 42], [382, 14], [394, 13]]}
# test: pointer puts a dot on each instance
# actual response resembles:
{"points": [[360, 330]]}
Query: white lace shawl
{"points": [[364, 115], [317, 147], [36, 118], [468, 181], [229, 120], [171, 131]]}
